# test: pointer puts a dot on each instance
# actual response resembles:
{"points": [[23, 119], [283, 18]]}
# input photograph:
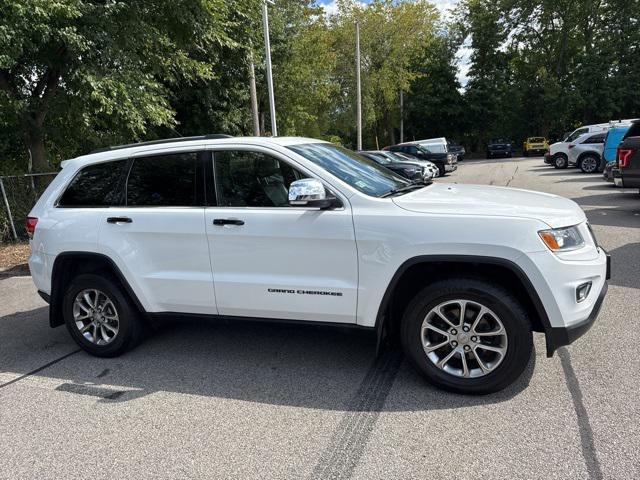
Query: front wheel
{"points": [[560, 161], [467, 335]]}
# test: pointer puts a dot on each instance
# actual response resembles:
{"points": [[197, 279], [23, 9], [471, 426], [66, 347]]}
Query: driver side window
{"points": [[252, 179]]}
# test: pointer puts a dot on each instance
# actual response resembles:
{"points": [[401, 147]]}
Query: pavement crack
{"points": [[39, 369], [589, 452], [512, 176], [350, 438]]}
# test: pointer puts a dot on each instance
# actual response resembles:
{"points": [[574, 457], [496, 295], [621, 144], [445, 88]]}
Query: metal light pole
{"points": [[267, 48], [254, 97], [359, 94], [401, 118]]}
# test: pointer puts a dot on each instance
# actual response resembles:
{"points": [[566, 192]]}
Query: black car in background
{"points": [[499, 147], [626, 173], [412, 171], [446, 162], [457, 149]]}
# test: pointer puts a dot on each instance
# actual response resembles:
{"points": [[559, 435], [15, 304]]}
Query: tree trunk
{"points": [[35, 144]]}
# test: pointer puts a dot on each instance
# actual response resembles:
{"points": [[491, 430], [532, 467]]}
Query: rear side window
{"points": [[595, 139], [95, 186], [634, 131], [164, 181]]}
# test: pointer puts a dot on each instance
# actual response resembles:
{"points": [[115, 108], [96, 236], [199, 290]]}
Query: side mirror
{"points": [[309, 192]]}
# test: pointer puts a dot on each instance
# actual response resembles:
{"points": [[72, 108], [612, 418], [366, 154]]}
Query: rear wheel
{"points": [[100, 317], [441, 171], [560, 161], [467, 335], [589, 164]]}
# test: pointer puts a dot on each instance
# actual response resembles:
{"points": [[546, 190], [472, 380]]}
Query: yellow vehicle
{"points": [[535, 146]]}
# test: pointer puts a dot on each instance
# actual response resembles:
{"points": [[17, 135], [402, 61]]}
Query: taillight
{"points": [[624, 156], [31, 226]]}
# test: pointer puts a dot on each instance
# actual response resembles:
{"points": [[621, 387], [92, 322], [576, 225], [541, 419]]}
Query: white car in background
{"points": [[585, 152]]}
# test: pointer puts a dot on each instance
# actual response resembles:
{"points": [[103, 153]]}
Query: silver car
{"points": [[585, 152]]}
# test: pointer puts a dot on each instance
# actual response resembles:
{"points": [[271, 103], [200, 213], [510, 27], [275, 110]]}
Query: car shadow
{"points": [[16, 271], [292, 365]]}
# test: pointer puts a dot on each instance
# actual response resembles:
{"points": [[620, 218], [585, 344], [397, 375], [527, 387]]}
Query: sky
{"points": [[444, 6]]}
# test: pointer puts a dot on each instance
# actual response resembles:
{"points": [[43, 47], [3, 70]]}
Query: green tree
{"points": [[86, 71]]}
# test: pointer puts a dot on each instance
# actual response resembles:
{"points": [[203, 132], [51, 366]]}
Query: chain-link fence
{"points": [[18, 194]]}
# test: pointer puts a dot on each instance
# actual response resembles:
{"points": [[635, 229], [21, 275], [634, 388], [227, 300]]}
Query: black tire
{"points": [[442, 171], [130, 325], [505, 305], [560, 161], [590, 160]]}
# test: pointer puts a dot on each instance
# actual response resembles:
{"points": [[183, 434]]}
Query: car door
{"points": [[271, 260], [157, 237]]}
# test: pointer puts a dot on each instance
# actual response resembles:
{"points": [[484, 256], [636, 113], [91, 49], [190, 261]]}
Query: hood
{"points": [[455, 199]]}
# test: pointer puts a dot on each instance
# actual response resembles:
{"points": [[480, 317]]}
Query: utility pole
{"points": [[359, 94], [401, 118], [267, 48], [254, 96]]}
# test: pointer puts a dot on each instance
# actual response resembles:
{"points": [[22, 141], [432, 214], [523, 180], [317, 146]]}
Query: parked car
{"points": [[296, 229], [535, 146], [446, 162], [458, 150], [410, 170], [585, 152], [499, 147], [627, 171], [431, 167]]}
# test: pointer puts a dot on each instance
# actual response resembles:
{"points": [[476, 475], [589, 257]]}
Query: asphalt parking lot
{"points": [[223, 400]]}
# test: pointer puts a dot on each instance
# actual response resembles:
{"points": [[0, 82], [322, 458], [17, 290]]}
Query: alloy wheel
{"points": [[464, 338], [589, 164], [95, 316]]}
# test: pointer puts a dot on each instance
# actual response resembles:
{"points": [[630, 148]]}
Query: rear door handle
{"points": [[227, 221], [119, 220]]}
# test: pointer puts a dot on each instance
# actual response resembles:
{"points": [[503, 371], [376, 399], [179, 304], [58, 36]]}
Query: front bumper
{"points": [[560, 336], [536, 151]]}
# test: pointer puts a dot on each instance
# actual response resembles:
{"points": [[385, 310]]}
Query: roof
{"points": [[123, 151]]}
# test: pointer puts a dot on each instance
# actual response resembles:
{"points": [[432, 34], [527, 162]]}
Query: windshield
{"points": [[576, 134], [361, 173], [434, 147]]}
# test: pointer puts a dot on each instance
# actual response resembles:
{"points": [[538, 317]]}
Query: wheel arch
{"points": [[408, 280], [588, 153], [68, 265]]}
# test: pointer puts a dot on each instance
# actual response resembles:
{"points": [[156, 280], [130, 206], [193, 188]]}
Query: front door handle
{"points": [[227, 221], [119, 220]]}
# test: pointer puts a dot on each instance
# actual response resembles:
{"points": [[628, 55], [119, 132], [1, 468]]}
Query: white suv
{"points": [[301, 229]]}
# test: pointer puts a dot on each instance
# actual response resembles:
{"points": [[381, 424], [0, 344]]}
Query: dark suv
{"points": [[499, 147], [626, 172], [446, 162]]}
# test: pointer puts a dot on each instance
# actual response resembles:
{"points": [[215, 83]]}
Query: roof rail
{"points": [[209, 136]]}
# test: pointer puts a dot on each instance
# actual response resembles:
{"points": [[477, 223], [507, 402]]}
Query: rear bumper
{"points": [[560, 336], [547, 158], [450, 167]]}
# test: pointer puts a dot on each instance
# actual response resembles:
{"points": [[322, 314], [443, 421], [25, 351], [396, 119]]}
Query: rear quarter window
{"points": [[96, 185]]}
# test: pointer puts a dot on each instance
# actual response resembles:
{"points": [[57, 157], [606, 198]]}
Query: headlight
{"points": [[562, 239]]}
